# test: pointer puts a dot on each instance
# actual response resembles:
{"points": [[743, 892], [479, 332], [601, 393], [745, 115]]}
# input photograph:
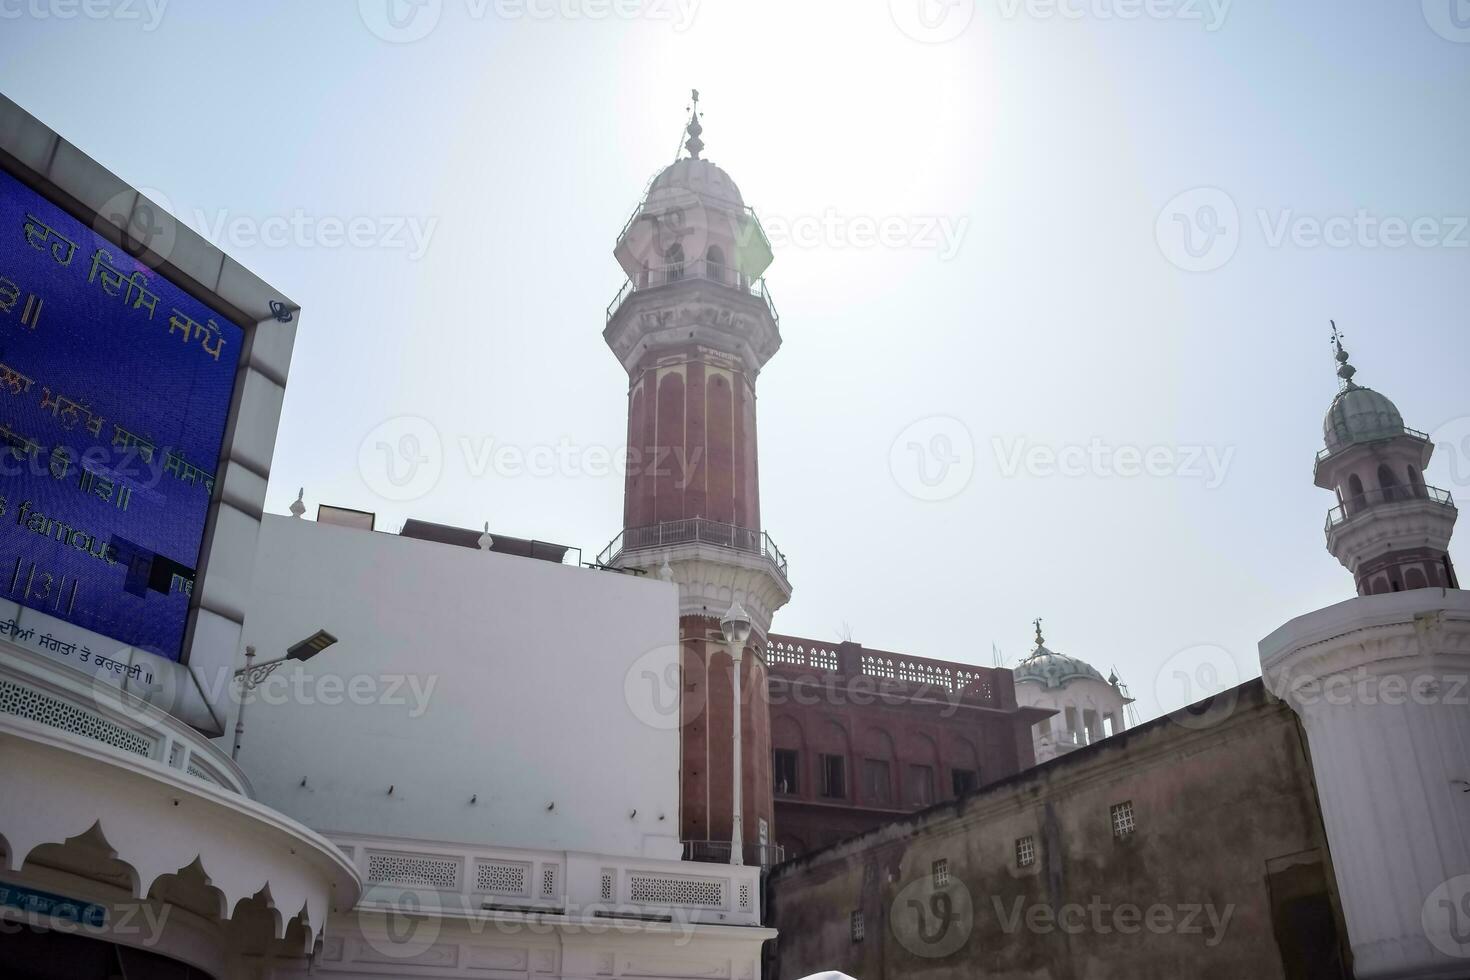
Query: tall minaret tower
{"points": [[1389, 529], [693, 326], [1380, 683]]}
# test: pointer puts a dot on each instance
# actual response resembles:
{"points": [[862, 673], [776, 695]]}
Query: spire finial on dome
{"points": [[1039, 641], [1345, 371], [694, 144]]}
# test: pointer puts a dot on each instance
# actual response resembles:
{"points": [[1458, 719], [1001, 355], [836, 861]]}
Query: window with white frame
{"points": [[1025, 851], [1123, 823]]}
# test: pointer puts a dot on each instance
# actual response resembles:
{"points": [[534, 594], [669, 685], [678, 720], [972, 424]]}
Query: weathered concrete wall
{"points": [[1227, 853]]}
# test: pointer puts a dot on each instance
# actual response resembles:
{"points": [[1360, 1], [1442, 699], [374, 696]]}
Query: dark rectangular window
{"points": [[921, 785], [834, 777], [965, 781], [877, 781], [784, 765]]}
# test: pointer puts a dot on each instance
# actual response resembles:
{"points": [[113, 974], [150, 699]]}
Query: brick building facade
{"points": [[861, 737]]}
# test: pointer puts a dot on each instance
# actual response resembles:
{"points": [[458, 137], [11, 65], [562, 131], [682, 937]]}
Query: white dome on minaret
{"points": [[695, 176], [1358, 414]]}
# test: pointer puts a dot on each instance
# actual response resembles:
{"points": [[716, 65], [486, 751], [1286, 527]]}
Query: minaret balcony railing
{"points": [[701, 270], [718, 852], [1388, 434], [694, 530], [1371, 500]]}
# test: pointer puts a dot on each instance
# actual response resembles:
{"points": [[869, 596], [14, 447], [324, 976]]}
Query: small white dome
{"points": [[1360, 415], [1051, 669], [699, 177]]}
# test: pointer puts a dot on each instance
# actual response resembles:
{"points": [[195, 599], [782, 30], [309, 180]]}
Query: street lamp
{"points": [[252, 675], [736, 627]]}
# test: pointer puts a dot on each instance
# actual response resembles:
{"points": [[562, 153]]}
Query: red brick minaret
{"points": [[693, 326]]}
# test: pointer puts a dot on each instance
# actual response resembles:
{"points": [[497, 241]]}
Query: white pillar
{"points": [[737, 847]]}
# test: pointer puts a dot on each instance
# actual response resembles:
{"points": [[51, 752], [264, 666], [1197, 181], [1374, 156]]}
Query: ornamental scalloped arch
{"points": [[142, 877], [91, 842], [191, 875]]}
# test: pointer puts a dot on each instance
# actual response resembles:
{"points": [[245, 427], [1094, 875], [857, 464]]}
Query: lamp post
{"points": [[252, 675], [736, 627]]}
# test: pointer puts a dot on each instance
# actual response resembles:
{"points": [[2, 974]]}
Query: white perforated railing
{"points": [[799, 654], [795, 652], [514, 881], [37, 692]]}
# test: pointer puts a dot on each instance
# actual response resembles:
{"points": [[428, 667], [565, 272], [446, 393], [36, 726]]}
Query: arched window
{"points": [[1416, 480], [876, 748], [714, 261], [674, 263], [1355, 494], [1388, 483], [920, 772], [1414, 579], [787, 744], [833, 751]]}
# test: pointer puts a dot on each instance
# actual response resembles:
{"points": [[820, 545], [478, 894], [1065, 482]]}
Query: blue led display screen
{"points": [[115, 390]]}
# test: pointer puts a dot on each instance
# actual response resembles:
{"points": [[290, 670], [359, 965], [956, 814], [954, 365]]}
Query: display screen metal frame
{"points": [[195, 687]]}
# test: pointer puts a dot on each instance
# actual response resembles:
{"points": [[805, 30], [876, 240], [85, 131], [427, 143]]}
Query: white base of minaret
{"points": [[711, 579], [1380, 683]]}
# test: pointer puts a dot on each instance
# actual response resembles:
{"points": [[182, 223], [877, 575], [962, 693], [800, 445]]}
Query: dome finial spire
{"points": [[694, 144], [1345, 371], [1039, 641]]}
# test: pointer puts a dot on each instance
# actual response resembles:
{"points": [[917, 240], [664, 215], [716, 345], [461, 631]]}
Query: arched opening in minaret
{"points": [[1416, 481], [674, 263], [1388, 483], [1355, 494], [714, 260], [1414, 579]]}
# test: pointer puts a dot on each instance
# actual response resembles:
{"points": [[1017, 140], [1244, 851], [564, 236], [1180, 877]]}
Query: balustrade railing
{"points": [[1387, 434], [690, 531], [427, 878], [1364, 502], [695, 269], [791, 651], [718, 852]]}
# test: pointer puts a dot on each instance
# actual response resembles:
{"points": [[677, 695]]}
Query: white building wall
{"points": [[462, 675]]}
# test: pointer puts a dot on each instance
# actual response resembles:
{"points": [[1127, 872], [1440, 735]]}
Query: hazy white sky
{"points": [[1096, 230]]}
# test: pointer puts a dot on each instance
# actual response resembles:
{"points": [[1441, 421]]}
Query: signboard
{"points": [[34, 902], [115, 389]]}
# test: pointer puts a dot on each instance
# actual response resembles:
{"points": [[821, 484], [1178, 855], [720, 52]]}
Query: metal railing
{"points": [[1387, 434], [695, 269], [1364, 502], [718, 852], [694, 530]]}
